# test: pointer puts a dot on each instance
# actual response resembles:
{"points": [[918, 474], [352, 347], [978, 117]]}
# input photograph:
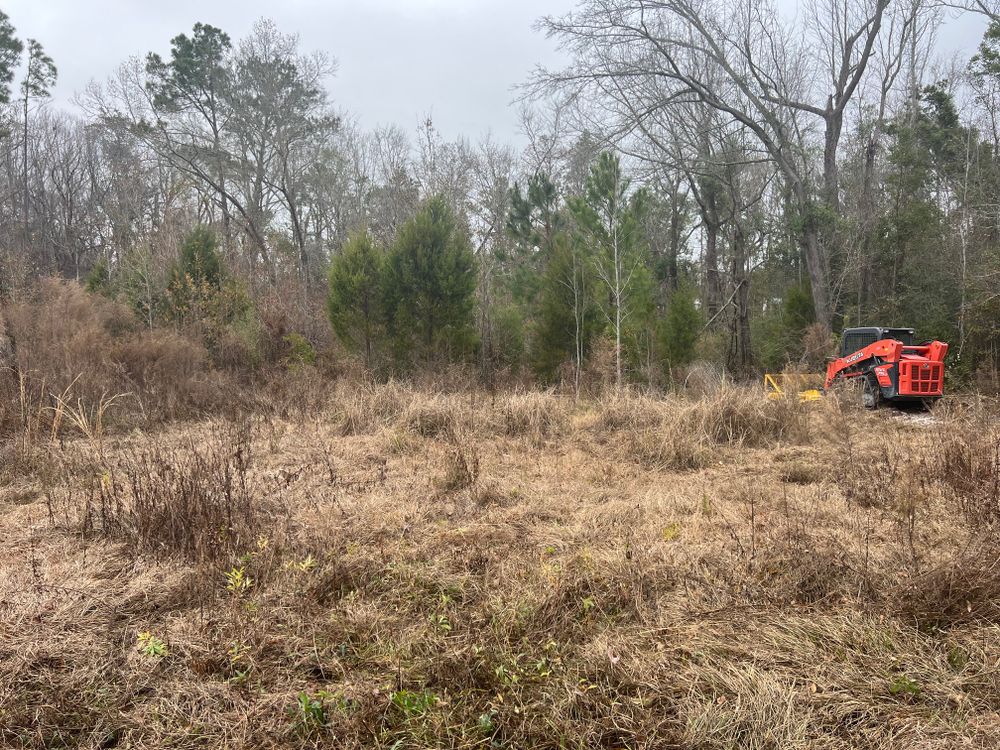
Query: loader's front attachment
{"points": [[804, 386]]}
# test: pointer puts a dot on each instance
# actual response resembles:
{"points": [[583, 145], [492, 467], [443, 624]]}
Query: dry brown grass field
{"points": [[390, 567]]}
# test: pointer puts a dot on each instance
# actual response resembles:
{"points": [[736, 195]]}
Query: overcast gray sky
{"points": [[398, 59]]}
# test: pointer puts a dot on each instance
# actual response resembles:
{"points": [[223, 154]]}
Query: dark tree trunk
{"points": [[816, 268], [831, 172], [713, 288], [25, 198], [740, 346], [9, 372]]}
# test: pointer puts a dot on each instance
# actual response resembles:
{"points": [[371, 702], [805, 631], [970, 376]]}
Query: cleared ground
{"points": [[394, 568]]}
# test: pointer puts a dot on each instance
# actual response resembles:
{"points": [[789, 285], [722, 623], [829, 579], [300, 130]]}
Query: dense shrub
{"points": [[85, 349]]}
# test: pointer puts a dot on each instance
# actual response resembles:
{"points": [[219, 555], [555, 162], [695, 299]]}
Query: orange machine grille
{"points": [[920, 378]]}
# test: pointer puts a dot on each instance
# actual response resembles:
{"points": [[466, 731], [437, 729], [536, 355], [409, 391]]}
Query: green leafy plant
{"points": [[237, 651], [149, 645], [238, 581], [305, 565], [485, 723], [957, 658], [413, 703], [311, 710], [441, 622], [507, 675]]}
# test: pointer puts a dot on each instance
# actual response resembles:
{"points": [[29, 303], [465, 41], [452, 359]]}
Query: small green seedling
{"points": [[311, 711], [149, 645], [485, 723], [671, 531], [237, 581], [441, 623], [413, 703]]}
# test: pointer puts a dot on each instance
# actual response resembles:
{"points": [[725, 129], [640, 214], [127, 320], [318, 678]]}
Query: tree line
{"points": [[702, 181]]}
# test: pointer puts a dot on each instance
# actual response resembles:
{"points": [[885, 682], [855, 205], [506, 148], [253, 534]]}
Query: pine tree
{"points": [[354, 301], [681, 327], [567, 315], [430, 284], [533, 223], [39, 78], [196, 281], [195, 82], [10, 53], [200, 260], [609, 220]]}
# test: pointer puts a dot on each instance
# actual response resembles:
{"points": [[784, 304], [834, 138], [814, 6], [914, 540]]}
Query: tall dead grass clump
{"points": [[367, 407], [746, 417], [534, 415], [461, 467], [762, 715], [169, 375], [872, 478], [699, 378], [65, 338], [728, 415], [300, 392], [432, 415], [84, 349], [195, 501], [627, 411], [963, 588], [681, 434], [968, 465], [668, 447]]}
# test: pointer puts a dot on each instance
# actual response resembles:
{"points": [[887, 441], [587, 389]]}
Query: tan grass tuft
{"points": [[535, 415]]}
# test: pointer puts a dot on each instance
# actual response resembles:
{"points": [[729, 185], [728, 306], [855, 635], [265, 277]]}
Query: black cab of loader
{"points": [[855, 339]]}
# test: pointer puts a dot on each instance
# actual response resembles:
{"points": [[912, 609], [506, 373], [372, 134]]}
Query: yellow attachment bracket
{"points": [[803, 384]]}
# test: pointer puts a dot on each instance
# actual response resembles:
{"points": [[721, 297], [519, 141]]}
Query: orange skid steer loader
{"points": [[890, 366]]}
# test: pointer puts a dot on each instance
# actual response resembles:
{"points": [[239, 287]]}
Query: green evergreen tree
{"points": [[430, 284], [609, 218], [354, 300], [139, 281], [509, 337], [98, 280], [199, 259], [798, 312], [681, 327], [196, 280], [196, 74], [978, 345], [779, 333], [39, 78], [195, 83], [919, 282], [533, 223], [567, 316], [10, 54]]}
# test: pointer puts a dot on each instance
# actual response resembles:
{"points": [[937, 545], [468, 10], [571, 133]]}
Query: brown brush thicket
{"points": [[85, 350]]}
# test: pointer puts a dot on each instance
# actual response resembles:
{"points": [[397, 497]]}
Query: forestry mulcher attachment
{"points": [[890, 367]]}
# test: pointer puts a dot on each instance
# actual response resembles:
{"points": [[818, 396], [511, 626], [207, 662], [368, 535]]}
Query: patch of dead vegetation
{"points": [[422, 569]]}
